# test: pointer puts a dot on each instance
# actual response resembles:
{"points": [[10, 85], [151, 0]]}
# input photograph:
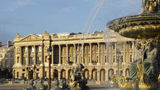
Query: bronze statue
{"points": [[150, 5]]}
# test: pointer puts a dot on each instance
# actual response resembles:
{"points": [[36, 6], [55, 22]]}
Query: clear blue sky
{"points": [[58, 16]]}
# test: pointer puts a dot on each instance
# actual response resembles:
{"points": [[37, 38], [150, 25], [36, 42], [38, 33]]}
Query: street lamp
{"points": [[49, 66]]}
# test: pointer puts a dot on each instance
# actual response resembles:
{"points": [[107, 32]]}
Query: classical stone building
{"points": [[31, 56], [6, 55]]}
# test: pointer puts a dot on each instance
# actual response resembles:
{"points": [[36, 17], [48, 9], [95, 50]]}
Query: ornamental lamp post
{"points": [[49, 63]]}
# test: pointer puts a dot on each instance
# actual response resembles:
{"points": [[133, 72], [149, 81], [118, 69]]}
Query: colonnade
{"points": [[89, 54]]}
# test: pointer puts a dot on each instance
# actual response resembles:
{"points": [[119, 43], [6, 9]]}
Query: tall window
{"points": [[24, 61], [130, 58], [130, 44], [45, 58], [17, 59], [30, 60], [17, 74]]}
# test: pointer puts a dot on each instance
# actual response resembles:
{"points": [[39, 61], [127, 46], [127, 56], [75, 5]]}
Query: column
{"points": [[59, 54], [106, 75], [52, 57], [133, 53], [67, 74], [98, 54], [75, 54], [52, 70], [27, 62], [67, 53], [42, 61], [21, 56], [116, 53], [59, 74], [124, 56], [107, 56], [35, 56], [82, 53], [98, 75], [90, 61], [90, 74]]}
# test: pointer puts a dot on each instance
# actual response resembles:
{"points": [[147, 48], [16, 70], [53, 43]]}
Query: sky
{"points": [[60, 16]]}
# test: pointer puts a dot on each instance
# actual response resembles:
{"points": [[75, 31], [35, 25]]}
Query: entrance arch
{"points": [[86, 73], [63, 74], [55, 74], [94, 74], [127, 72], [30, 74], [110, 73], [69, 73]]}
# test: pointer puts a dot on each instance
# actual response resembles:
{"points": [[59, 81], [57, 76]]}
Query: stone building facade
{"points": [[6, 55], [68, 49]]}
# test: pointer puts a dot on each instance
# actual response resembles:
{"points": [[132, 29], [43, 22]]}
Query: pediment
{"points": [[31, 38]]}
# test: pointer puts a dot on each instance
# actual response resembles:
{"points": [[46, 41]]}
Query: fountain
{"points": [[144, 73]]}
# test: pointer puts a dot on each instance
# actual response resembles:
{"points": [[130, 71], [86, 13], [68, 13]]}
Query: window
{"points": [[37, 75], [23, 69], [31, 61], [130, 58], [121, 58], [45, 58], [17, 59], [130, 44], [24, 61], [17, 74], [121, 73], [113, 45], [45, 74], [23, 75]]}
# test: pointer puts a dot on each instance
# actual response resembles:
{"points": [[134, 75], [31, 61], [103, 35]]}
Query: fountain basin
{"points": [[145, 25]]}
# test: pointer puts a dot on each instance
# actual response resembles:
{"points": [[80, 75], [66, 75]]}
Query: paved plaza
{"points": [[20, 87]]}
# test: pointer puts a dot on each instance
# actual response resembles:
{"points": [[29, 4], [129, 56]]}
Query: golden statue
{"points": [[150, 5]]}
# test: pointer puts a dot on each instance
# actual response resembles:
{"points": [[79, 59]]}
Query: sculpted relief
{"points": [[150, 5]]}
